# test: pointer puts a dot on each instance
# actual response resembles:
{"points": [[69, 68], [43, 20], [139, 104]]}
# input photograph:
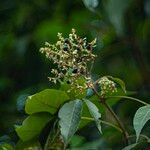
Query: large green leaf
{"points": [[142, 115], [70, 115], [94, 113], [48, 100], [32, 126]]}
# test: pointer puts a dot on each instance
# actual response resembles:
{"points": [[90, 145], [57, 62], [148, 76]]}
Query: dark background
{"points": [[122, 30]]}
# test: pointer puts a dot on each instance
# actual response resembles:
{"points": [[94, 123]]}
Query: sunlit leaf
{"points": [[48, 100]]}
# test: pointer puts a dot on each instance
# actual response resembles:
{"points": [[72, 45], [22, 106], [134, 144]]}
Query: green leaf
{"points": [[91, 4], [142, 115], [94, 99], [74, 92], [70, 115], [120, 82], [85, 113], [48, 100], [94, 113], [6, 146], [129, 146], [34, 145], [32, 126], [76, 141], [94, 145]]}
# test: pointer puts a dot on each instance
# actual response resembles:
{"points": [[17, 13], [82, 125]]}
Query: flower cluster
{"points": [[107, 86], [71, 55]]}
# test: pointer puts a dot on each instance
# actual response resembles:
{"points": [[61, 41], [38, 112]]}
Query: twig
{"points": [[131, 98], [113, 114], [104, 122]]}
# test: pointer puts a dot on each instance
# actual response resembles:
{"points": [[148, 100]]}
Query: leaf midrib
{"points": [[145, 116], [71, 120]]}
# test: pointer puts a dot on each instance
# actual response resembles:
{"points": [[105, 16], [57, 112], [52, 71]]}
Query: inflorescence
{"points": [[72, 56], [106, 86]]}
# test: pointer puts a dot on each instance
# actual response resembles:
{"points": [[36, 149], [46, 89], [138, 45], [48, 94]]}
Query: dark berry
{"points": [[68, 82], [67, 41], [81, 41], [75, 71], [89, 47], [65, 48], [78, 48], [81, 71]]}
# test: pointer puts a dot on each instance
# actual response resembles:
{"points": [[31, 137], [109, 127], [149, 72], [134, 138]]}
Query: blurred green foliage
{"points": [[122, 30]]}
